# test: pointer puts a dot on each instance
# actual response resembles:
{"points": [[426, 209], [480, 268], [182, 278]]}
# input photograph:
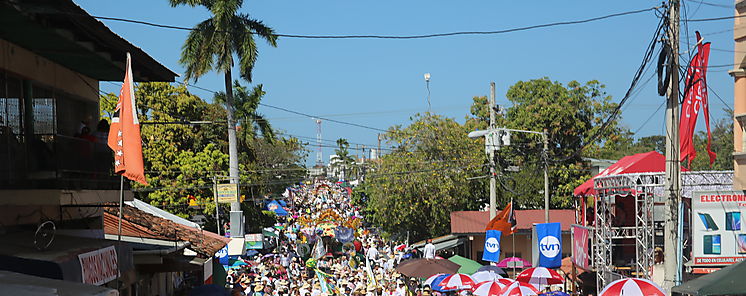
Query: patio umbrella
{"points": [[632, 287], [492, 268], [540, 276], [483, 276], [458, 281], [489, 288], [424, 268], [514, 262], [429, 281], [468, 266], [554, 293], [519, 289], [435, 284]]}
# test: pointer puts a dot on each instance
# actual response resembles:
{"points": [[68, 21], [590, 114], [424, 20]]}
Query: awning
{"points": [[442, 243], [639, 163], [12, 283], [727, 281], [62, 260]]}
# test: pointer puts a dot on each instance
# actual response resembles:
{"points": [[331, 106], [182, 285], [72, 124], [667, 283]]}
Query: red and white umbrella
{"points": [[519, 289], [483, 276], [429, 281], [632, 287], [489, 288], [458, 281], [540, 276]]}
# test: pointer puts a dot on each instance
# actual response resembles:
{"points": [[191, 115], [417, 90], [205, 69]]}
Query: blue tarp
{"points": [[277, 208]]}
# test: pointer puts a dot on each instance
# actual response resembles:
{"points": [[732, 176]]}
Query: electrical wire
{"points": [[400, 37], [647, 57]]}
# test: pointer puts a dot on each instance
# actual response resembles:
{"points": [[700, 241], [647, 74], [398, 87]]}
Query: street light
{"points": [[427, 84]]}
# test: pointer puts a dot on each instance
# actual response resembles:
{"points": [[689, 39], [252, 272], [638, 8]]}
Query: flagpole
{"points": [[119, 226], [513, 236]]}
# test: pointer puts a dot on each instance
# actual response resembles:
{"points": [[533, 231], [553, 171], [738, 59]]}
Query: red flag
{"points": [[124, 134], [504, 221], [695, 97]]}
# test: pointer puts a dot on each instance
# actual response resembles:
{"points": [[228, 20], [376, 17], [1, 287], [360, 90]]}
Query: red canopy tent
{"points": [[639, 163], [648, 162]]}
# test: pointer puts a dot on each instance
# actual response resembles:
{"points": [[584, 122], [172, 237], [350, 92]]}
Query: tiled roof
{"points": [[141, 224], [475, 221]]}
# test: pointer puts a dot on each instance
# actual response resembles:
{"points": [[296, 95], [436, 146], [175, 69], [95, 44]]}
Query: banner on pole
{"points": [[580, 253], [550, 244], [492, 246]]}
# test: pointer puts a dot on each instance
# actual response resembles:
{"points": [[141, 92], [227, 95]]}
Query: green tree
{"points": [[426, 176], [570, 114], [345, 162]]}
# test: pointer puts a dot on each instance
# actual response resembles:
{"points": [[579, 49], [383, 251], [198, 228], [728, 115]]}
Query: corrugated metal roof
{"points": [[472, 222]]}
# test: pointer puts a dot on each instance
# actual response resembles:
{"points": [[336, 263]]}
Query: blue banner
{"points": [[549, 236], [492, 246]]}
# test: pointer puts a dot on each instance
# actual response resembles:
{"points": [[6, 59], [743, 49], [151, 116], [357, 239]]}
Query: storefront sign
{"points": [[227, 193], [99, 266], [580, 251], [718, 231]]}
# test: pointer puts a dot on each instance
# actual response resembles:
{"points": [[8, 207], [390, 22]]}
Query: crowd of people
{"points": [[323, 248]]}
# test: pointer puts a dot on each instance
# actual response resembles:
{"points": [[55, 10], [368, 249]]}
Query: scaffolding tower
{"points": [[647, 190]]}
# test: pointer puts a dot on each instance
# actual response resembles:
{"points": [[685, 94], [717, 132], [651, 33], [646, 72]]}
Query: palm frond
{"points": [[198, 50]]}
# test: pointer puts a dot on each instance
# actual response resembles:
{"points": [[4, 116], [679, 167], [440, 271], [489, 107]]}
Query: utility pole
{"points": [[673, 168], [545, 138], [236, 217], [217, 209], [493, 181]]}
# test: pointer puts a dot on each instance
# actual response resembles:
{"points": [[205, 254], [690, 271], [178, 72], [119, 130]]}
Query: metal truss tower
{"points": [[319, 155]]}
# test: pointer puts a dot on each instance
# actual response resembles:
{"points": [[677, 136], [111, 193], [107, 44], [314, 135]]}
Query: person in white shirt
{"points": [[372, 253], [429, 251]]}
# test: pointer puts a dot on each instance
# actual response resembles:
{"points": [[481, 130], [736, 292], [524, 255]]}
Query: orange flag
{"points": [[503, 221], [124, 134]]}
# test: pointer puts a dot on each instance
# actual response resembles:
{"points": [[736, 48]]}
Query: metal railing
{"points": [[55, 162]]}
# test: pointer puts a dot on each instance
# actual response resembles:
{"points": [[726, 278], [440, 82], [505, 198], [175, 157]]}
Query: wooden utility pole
{"points": [[673, 167]]}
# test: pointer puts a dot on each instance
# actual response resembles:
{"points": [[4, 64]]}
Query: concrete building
{"points": [[739, 96], [53, 182]]}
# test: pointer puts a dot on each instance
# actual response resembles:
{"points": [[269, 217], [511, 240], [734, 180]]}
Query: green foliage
{"points": [[182, 159], [416, 186], [570, 114], [212, 44], [107, 104]]}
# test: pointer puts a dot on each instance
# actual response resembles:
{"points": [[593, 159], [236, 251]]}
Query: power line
{"points": [[299, 113], [711, 4], [423, 36]]}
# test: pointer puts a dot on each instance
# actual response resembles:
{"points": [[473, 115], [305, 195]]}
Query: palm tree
{"points": [[211, 45], [246, 102]]}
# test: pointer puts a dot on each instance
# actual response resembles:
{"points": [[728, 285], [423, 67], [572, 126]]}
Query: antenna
{"points": [[319, 156]]}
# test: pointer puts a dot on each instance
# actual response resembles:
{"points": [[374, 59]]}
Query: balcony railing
{"points": [[55, 162]]}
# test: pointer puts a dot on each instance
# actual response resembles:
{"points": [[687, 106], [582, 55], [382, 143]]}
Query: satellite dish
{"points": [[44, 235]]}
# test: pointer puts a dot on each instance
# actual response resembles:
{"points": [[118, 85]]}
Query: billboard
{"points": [[718, 232]]}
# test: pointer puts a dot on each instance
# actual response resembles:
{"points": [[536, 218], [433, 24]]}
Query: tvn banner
{"points": [[549, 236], [718, 232], [492, 246]]}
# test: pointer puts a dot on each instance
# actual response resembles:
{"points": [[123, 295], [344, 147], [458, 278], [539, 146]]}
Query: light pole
{"points": [[427, 85]]}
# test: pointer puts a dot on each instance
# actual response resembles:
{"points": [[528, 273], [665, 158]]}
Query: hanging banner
{"points": [[695, 98], [492, 246], [580, 250], [550, 244], [100, 266]]}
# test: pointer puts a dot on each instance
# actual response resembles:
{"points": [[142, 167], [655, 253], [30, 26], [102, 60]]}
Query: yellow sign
{"points": [[227, 193]]}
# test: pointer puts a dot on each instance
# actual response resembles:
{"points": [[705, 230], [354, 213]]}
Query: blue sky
{"points": [[379, 83]]}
